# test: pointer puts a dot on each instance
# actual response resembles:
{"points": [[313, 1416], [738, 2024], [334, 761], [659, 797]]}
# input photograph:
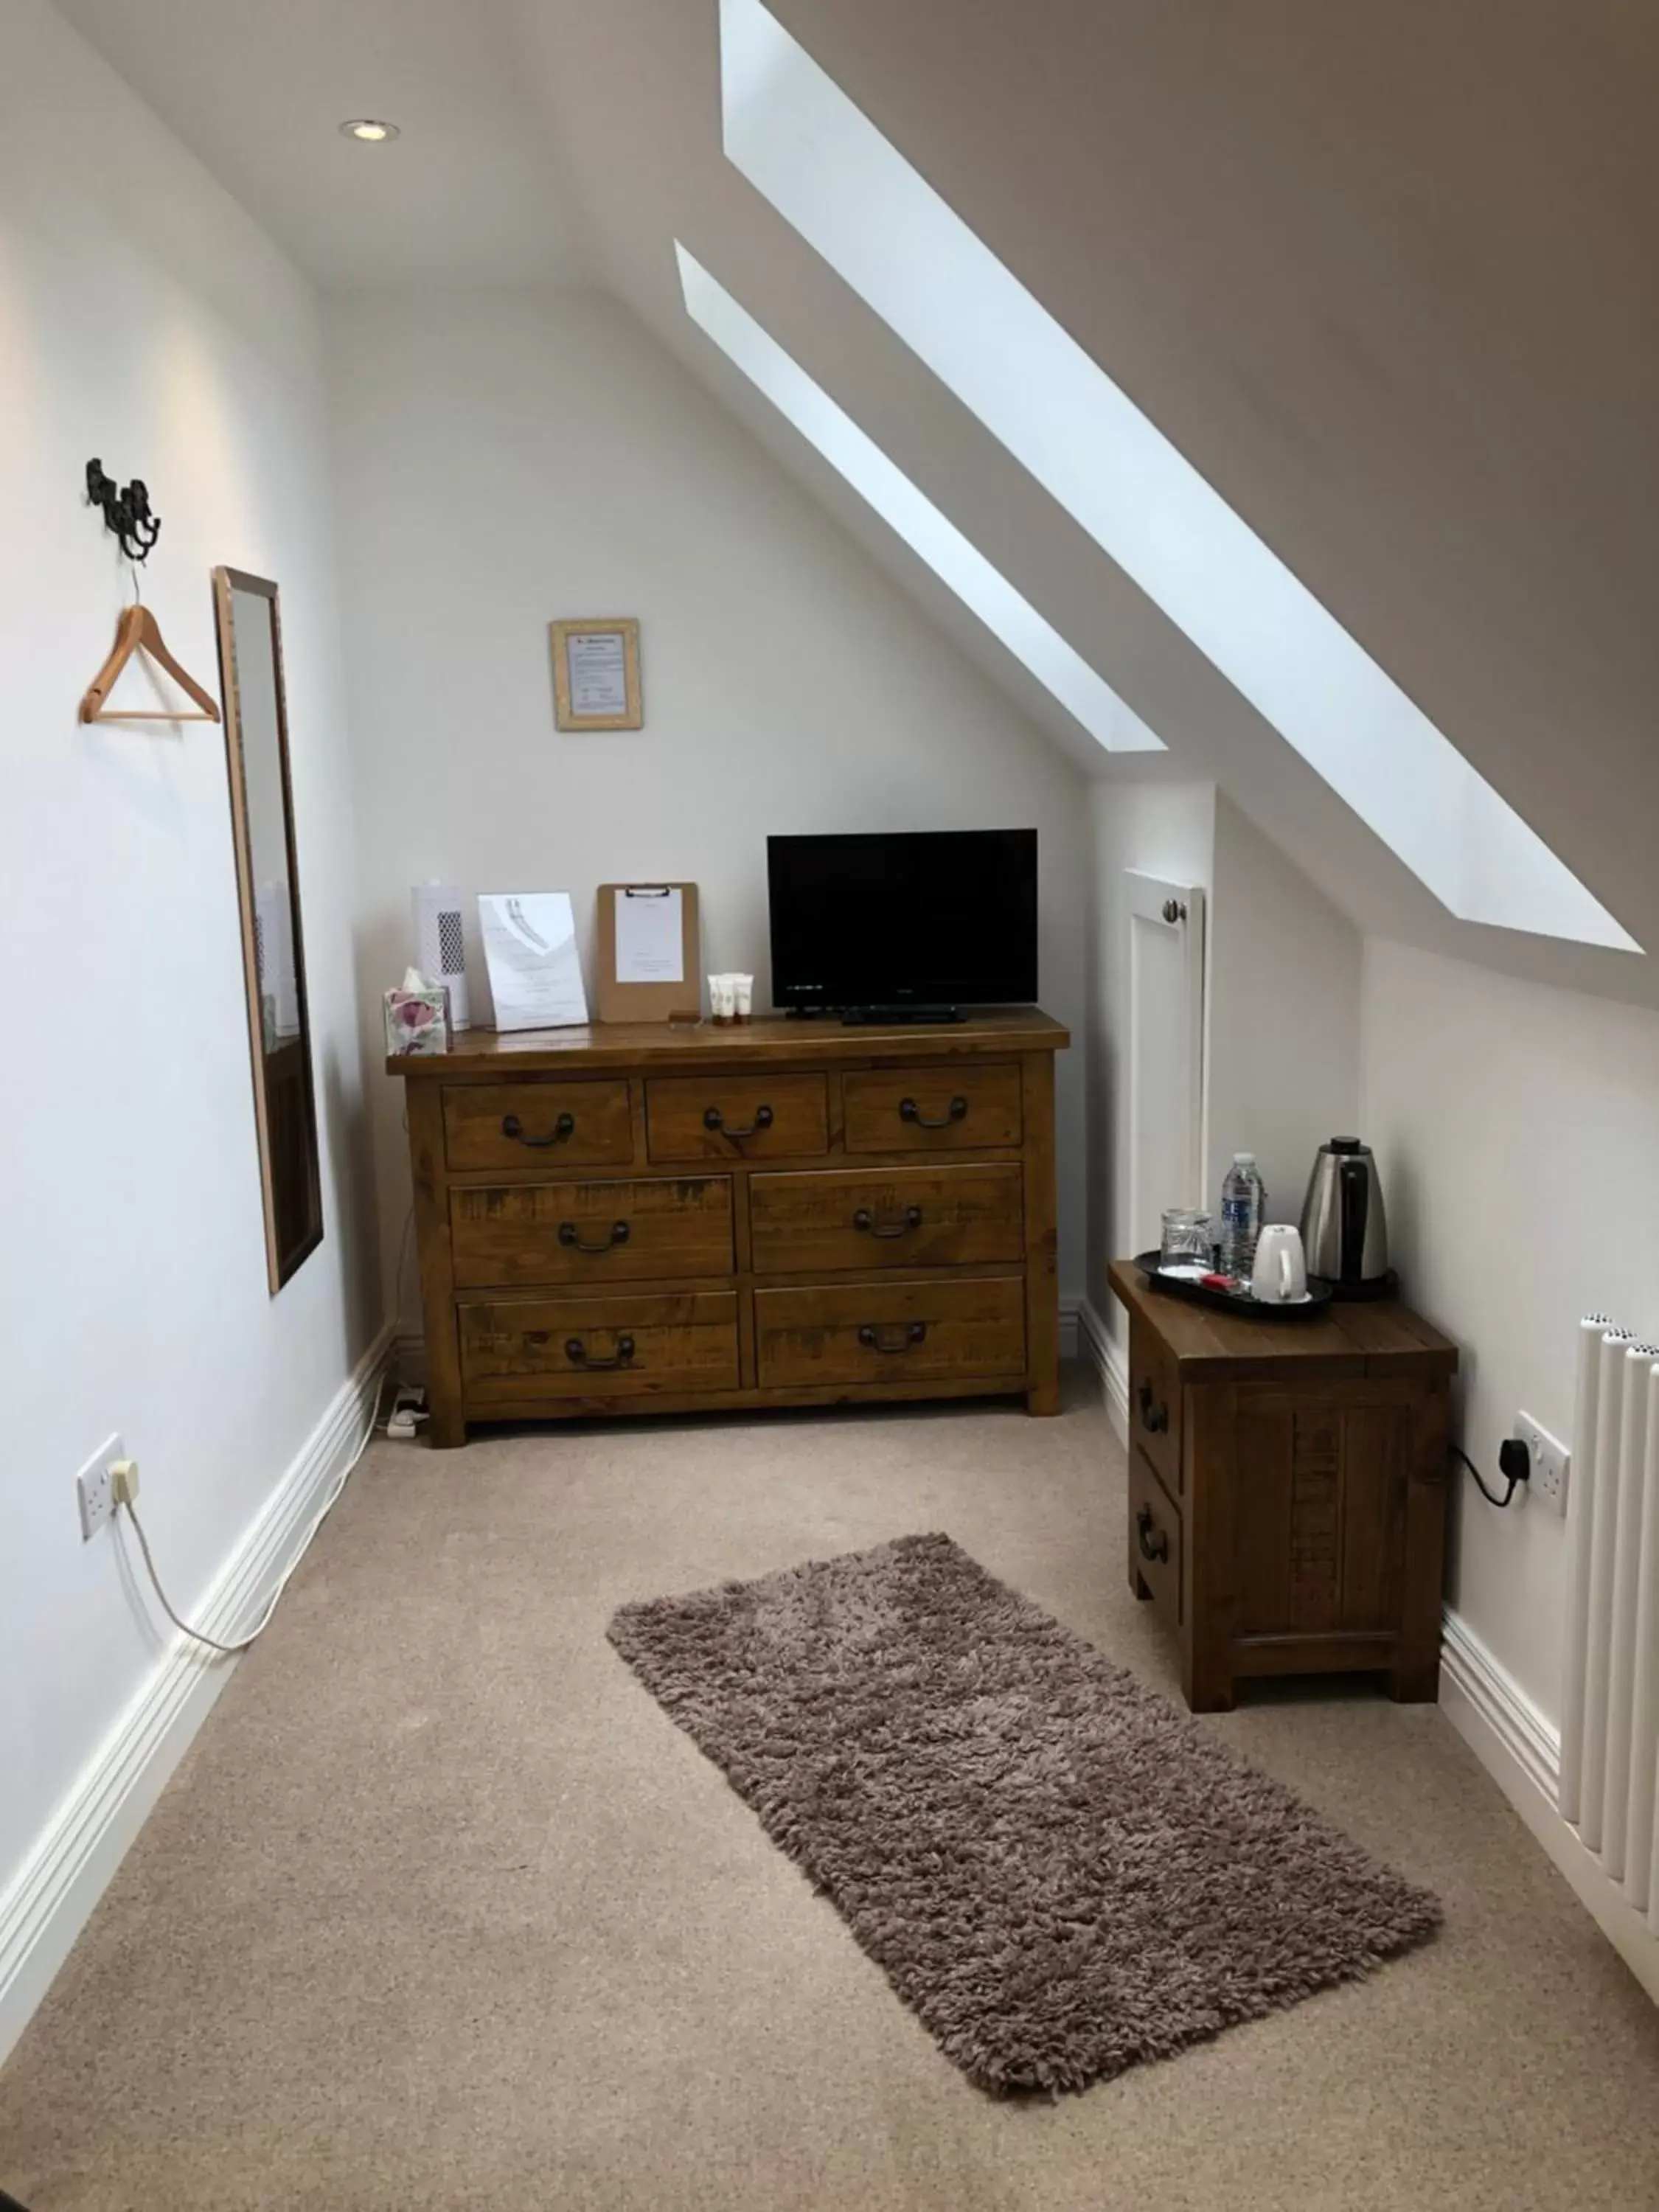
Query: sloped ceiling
{"points": [[1384, 275]]}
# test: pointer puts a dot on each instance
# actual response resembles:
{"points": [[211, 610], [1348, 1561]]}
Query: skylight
{"points": [[831, 175], [1031, 640]]}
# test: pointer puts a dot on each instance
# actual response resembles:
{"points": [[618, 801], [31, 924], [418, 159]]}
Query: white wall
{"points": [[505, 458], [143, 318], [1284, 1015], [1517, 1131]]}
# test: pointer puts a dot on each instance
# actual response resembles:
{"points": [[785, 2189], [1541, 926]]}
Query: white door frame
{"points": [[1152, 901]]}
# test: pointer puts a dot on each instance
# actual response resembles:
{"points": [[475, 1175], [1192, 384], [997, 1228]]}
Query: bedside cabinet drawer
{"points": [[526, 1125], [892, 1332], [1155, 1405], [891, 1218], [737, 1117], [528, 1348], [597, 1232], [932, 1110], [1155, 1537]]}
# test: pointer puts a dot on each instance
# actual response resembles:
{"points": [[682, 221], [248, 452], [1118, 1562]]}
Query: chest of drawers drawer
{"points": [[748, 1117], [885, 1218], [620, 1345], [1155, 1539], [1155, 1404], [890, 1331], [591, 1232], [526, 1125], [901, 1109]]}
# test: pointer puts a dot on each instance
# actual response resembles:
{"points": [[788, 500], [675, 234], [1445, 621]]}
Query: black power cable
{"points": [[1514, 1460]]}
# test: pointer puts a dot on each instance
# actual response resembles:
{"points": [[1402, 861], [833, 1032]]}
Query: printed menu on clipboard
{"points": [[649, 953]]}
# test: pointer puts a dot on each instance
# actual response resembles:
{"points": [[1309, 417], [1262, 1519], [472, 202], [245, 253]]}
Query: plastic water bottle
{"points": [[1243, 1196]]}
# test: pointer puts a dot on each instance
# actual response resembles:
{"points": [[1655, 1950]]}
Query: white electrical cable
{"points": [[122, 1500]]}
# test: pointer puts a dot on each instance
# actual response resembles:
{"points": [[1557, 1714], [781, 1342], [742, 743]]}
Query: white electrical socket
{"points": [[95, 1489], [1552, 1462]]}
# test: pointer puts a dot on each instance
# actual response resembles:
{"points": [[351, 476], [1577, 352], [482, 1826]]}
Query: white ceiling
{"points": [[1384, 276], [473, 191]]}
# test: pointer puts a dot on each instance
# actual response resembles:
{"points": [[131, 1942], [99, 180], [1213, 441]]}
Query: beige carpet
{"points": [[443, 1911]]}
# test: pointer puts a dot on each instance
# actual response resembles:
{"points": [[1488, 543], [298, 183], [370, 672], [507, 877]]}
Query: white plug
{"points": [[408, 1411], [123, 1481]]}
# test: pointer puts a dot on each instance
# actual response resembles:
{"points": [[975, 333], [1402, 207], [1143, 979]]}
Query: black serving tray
{"points": [[1245, 1308]]}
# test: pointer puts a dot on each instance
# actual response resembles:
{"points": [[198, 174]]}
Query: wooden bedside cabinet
{"points": [[1287, 1489]]}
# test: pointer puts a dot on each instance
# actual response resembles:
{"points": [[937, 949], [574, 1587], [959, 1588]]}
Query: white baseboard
{"points": [[1521, 1749], [48, 1902], [1527, 1738], [1095, 1345]]}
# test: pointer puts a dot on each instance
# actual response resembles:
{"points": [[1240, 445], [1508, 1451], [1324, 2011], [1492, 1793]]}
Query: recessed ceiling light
{"points": [[371, 132]]}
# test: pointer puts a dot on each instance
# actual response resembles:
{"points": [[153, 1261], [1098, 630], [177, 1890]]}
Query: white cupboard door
{"points": [[1163, 1052]]}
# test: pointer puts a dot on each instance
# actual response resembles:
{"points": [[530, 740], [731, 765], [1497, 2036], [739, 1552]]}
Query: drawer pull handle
{"points": [[956, 1111], [578, 1355], [570, 1237], [874, 1340], [1153, 1418], [1154, 1542], [563, 1127], [763, 1118], [865, 1220]]}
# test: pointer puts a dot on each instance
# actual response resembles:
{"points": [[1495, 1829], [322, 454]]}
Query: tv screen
{"points": [[937, 918]]}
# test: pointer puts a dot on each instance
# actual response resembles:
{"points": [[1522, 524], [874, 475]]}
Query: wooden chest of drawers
{"points": [[1287, 1489], [631, 1219]]}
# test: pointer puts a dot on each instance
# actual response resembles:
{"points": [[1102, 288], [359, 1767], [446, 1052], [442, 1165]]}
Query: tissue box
{"points": [[417, 1018]]}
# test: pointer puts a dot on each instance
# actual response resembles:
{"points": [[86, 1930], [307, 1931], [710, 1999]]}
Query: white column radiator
{"points": [[1610, 1700]]}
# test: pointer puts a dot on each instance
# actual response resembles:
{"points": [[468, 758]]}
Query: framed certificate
{"points": [[596, 675]]}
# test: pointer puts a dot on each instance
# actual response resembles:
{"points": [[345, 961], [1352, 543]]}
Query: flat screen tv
{"points": [[914, 922]]}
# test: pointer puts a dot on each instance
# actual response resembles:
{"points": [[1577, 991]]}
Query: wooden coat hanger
{"points": [[139, 628]]}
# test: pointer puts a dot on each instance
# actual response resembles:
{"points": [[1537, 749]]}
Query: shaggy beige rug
{"points": [[1058, 1871]]}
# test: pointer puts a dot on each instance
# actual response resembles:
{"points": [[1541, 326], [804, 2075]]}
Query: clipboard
{"points": [[616, 1001]]}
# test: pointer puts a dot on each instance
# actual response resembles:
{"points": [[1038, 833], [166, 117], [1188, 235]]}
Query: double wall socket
{"points": [[1552, 1462], [95, 1488]]}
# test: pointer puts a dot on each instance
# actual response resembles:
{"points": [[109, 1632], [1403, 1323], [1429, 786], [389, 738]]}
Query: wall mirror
{"points": [[268, 886]]}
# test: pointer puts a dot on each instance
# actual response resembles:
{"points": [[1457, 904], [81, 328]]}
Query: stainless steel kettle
{"points": [[1344, 1229]]}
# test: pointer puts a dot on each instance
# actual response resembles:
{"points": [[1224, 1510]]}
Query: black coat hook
{"points": [[126, 513]]}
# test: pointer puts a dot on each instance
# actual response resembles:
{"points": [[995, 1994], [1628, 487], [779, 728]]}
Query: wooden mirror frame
{"points": [[283, 1254]]}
